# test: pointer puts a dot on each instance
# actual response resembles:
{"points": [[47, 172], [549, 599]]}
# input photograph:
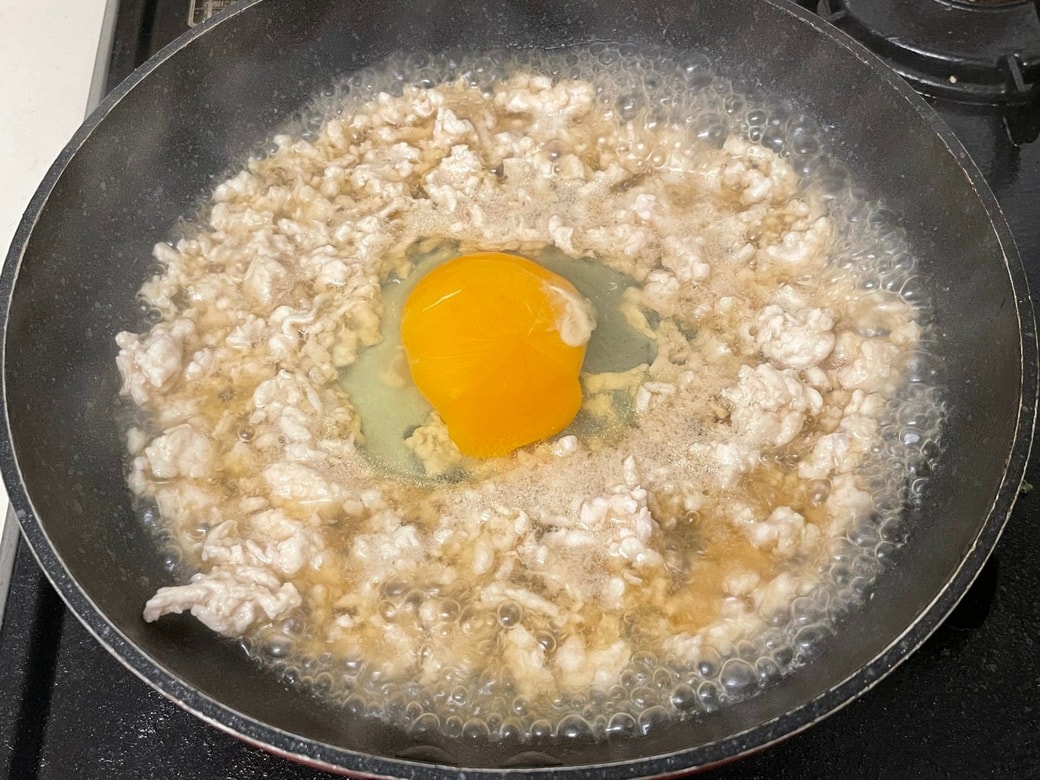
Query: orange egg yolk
{"points": [[495, 343]]}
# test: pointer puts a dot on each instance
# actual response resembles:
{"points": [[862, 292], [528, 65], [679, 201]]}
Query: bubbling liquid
{"points": [[648, 89]]}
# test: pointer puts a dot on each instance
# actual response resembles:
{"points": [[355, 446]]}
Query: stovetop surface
{"points": [[966, 704]]}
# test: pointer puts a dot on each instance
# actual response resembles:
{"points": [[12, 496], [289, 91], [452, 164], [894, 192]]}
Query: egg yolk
{"points": [[495, 343]]}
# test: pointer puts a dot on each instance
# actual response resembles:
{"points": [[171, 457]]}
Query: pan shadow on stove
{"points": [[973, 609]]}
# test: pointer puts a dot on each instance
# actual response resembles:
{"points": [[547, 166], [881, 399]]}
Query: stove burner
{"points": [[978, 52], [982, 52]]}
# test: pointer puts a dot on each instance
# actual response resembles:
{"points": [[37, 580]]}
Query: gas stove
{"points": [[965, 705]]}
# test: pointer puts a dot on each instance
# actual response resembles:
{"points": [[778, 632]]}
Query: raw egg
{"points": [[495, 343]]}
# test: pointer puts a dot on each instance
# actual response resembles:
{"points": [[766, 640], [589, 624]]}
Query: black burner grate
{"points": [[985, 53]]}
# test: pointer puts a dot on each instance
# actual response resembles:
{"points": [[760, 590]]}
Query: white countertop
{"points": [[48, 50]]}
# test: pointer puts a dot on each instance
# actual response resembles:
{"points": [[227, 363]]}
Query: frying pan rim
{"points": [[704, 756]]}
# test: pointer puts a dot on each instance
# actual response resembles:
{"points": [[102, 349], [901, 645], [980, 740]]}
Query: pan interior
{"points": [[155, 149]]}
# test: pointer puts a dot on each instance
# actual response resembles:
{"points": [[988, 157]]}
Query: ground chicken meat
{"points": [[554, 570]]}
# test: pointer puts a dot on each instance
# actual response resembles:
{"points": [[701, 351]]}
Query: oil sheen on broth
{"points": [[761, 385]]}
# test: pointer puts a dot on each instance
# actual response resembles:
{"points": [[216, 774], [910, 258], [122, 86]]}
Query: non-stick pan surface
{"points": [[163, 139]]}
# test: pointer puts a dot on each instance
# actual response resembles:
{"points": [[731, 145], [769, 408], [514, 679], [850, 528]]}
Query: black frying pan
{"points": [[157, 144]]}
